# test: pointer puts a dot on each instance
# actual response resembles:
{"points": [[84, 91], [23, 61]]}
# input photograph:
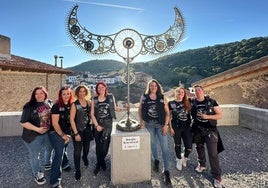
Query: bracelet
{"points": [[76, 134], [96, 126], [62, 134]]}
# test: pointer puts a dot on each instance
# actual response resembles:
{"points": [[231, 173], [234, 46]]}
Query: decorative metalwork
{"points": [[128, 44], [125, 39], [132, 77]]}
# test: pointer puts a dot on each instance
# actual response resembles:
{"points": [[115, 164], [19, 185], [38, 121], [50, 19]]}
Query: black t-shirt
{"points": [[38, 115], [204, 107], [104, 109], [178, 110], [64, 117], [180, 116]]}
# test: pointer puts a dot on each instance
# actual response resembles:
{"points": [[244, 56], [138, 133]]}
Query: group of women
{"points": [[81, 116], [75, 115], [186, 120]]}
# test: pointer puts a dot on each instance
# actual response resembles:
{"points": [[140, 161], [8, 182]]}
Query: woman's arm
{"points": [[93, 118], [140, 113], [73, 125], [167, 117], [55, 123], [29, 126], [172, 132], [216, 116]]}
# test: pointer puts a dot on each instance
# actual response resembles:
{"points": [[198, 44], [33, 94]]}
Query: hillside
{"points": [[98, 66], [190, 65]]}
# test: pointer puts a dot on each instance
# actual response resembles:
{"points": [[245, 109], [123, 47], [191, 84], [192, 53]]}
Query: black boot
{"points": [[97, 169], [103, 165], [85, 161], [167, 177], [156, 166], [77, 175]]}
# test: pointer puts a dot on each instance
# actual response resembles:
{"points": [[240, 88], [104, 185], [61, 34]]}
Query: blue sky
{"points": [[38, 31]]}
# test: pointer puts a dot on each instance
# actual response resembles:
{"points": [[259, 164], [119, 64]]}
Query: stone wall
{"points": [[16, 87], [246, 84], [244, 90]]}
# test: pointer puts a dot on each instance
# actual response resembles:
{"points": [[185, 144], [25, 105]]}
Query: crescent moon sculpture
{"points": [[127, 43]]}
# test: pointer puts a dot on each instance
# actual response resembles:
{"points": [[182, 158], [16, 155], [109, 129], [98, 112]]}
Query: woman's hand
{"points": [[142, 124], [41, 130], [99, 128], [77, 138], [165, 130], [66, 138], [172, 132]]}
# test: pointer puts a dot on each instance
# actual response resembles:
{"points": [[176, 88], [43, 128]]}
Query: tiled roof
{"points": [[17, 63]]}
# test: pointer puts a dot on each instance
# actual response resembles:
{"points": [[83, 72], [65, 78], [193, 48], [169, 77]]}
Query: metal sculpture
{"points": [[128, 44]]}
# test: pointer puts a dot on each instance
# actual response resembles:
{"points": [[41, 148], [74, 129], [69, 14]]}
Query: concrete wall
{"points": [[254, 118], [233, 115], [10, 124], [230, 115]]}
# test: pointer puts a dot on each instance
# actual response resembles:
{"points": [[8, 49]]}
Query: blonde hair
{"points": [[88, 94]]}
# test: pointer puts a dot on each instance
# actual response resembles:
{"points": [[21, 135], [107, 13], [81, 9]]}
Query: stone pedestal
{"points": [[130, 156]]}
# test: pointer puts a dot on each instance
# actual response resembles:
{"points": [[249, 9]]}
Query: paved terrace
{"points": [[244, 161], [244, 164]]}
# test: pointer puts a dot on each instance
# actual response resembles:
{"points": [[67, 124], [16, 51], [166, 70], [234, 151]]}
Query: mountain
{"points": [[98, 66], [190, 65]]}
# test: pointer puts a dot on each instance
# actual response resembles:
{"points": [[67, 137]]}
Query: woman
{"points": [[205, 112], [154, 115], [180, 125], [102, 113], [60, 134], [81, 127], [35, 120]]}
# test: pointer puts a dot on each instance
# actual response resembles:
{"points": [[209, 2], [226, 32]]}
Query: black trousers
{"points": [[102, 140], [211, 141], [182, 133], [84, 145]]}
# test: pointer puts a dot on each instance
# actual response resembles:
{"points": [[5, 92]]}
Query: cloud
{"points": [[107, 5], [184, 39], [64, 45]]}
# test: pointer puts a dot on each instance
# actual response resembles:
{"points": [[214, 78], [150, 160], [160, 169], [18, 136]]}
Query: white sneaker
{"points": [[184, 161], [217, 183], [179, 164], [200, 168], [39, 178]]}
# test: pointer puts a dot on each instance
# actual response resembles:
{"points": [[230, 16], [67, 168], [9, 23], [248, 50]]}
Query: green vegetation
{"points": [[98, 66], [188, 66], [192, 65]]}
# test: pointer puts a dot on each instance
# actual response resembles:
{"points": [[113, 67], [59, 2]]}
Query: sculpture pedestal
{"points": [[130, 156]]}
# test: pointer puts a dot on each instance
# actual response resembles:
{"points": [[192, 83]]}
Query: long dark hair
{"points": [[32, 100], [60, 100], [159, 91]]}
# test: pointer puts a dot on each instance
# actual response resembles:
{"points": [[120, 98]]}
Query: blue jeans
{"points": [[155, 131], [60, 158], [34, 148]]}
